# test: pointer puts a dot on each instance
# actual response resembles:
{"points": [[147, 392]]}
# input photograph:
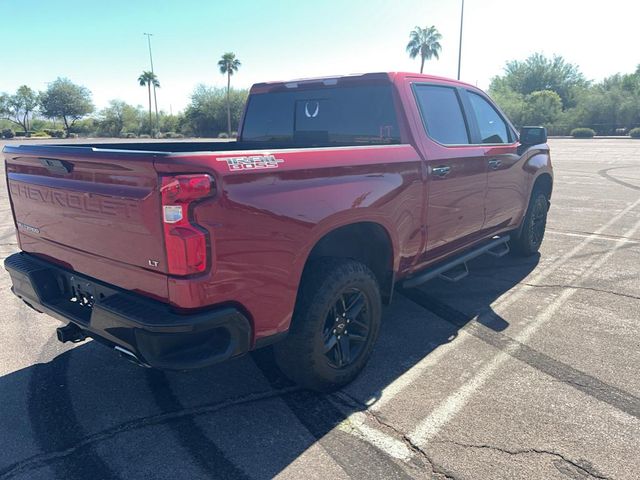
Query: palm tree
{"points": [[424, 42], [228, 65], [149, 79]]}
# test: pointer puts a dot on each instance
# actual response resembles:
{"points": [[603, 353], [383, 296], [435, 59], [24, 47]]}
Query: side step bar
{"points": [[457, 269]]}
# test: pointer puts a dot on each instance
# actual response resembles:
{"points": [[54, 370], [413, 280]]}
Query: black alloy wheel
{"points": [[347, 328]]}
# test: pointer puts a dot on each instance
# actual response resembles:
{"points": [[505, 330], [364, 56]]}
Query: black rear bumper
{"points": [[150, 330]]}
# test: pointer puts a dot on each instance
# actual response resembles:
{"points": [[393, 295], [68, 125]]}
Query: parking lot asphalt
{"points": [[527, 368]]}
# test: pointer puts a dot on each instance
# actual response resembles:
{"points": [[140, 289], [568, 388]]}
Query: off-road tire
{"points": [[534, 224], [301, 355]]}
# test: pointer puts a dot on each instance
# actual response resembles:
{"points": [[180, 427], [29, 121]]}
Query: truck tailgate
{"points": [[101, 203]]}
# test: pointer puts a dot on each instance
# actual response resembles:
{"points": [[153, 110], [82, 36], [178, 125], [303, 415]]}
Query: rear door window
{"points": [[442, 114], [324, 116]]}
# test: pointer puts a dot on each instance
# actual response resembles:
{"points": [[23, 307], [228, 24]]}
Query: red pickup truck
{"points": [[180, 255]]}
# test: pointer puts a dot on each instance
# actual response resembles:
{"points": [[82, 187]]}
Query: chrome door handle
{"points": [[495, 163], [441, 171]]}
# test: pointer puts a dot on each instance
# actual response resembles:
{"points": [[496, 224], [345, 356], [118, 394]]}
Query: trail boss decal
{"points": [[253, 162]]}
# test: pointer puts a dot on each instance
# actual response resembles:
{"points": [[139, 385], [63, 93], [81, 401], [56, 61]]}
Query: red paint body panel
{"points": [[263, 223]]}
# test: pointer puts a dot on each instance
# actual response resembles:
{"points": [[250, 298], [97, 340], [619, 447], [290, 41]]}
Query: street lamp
{"points": [[155, 98], [460, 46]]}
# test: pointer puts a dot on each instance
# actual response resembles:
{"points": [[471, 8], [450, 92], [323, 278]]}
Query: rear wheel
{"points": [[533, 228], [334, 327]]}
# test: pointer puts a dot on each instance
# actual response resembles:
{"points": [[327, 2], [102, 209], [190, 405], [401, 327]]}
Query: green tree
{"points": [[66, 100], [538, 73], [18, 108], [541, 108], [170, 122], [149, 79], [119, 117], [424, 42], [611, 104], [228, 64], [512, 103], [206, 115]]}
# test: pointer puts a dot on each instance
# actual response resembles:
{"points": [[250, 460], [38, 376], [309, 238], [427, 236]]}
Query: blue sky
{"points": [[100, 44]]}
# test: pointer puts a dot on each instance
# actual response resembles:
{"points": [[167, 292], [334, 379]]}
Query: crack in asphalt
{"points": [[562, 285], [319, 415], [356, 405], [194, 439], [54, 422], [583, 466], [556, 369], [46, 458]]}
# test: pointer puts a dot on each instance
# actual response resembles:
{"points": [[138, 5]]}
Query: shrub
{"points": [[171, 135], [54, 132], [583, 133], [73, 135], [223, 135], [129, 135], [40, 135], [8, 133], [635, 133]]}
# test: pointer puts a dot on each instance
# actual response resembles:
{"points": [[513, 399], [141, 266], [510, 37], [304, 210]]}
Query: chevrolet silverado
{"points": [[182, 254]]}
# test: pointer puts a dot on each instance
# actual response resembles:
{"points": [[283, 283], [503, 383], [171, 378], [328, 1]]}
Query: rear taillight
{"points": [[185, 241]]}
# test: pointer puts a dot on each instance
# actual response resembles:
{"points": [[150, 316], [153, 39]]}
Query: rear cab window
{"points": [[329, 116]]}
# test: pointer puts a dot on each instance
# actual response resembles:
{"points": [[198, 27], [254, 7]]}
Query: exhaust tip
{"points": [[128, 355]]}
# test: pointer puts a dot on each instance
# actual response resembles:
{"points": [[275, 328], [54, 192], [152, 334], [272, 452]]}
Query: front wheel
{"points": [[533, 228], [334, 327]]}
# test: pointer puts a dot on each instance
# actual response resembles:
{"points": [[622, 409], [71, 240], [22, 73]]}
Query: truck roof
{"points": [[354, 78]]}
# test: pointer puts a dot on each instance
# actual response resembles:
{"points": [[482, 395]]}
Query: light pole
{"points": [[155, 98], [460, 46]]}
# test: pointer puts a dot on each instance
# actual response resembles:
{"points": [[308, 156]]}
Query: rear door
{"points": [[506, 188], [457, 170], [106, 204]]}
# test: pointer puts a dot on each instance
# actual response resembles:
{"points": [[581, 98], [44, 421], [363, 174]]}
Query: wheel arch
{"points": [[543, 182], [367, 242]]}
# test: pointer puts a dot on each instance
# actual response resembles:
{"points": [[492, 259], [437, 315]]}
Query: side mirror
{"points": [[533, 136]]}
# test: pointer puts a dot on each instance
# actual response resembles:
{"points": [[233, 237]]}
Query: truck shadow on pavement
{"points": [[85, 414]]}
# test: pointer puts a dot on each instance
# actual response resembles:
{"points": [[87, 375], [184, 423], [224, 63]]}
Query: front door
{"points": [[506, 187], [457, 170]]}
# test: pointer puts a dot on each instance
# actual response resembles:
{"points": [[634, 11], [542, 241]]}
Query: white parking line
{"points": [[441, 415], [430, 426], [397, 386], [415, 372], [587, 235], [356, 425]]}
